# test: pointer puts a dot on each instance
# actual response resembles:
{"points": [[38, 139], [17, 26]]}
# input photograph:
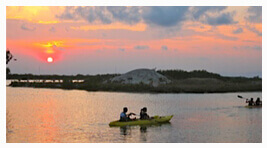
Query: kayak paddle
{"points": [[241, 97]]}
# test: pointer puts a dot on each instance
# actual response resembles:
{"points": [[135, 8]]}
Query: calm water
{"points": [[54, 115]]}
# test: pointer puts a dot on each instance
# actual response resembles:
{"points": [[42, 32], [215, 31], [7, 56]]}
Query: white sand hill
{"points": [[145, 76]]}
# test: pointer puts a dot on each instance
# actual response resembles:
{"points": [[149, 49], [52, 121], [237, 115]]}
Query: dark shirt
{"points": [[258, 102], [250, 103], [144, 115]]}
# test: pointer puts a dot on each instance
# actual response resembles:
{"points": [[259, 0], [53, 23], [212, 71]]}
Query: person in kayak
{"points": [[250, 102], [124, 116], [143, 113], [258, 102]]}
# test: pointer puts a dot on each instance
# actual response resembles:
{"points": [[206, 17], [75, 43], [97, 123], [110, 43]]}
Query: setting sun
{"points": [[49, 59]]}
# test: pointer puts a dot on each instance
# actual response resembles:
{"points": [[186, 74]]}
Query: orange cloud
{"points": [[48, 22], [137, 27], [35, 14], [51, 44]]}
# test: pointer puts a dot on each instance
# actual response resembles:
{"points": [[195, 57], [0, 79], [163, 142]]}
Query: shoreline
{"points": [[178, 82], [155, 91]]}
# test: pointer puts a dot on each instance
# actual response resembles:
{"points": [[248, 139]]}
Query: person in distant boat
{"points": [[143, 113], [250, 102], [258, 102], [124, 116]]}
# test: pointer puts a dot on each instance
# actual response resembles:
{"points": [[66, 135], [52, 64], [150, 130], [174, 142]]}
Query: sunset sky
{"points": [[99, 40]]}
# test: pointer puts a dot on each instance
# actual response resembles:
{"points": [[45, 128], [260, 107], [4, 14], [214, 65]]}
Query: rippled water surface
{"points": [[54, 115]]}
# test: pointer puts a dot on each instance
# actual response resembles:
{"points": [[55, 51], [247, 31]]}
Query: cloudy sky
{"points": [[93, 40]]}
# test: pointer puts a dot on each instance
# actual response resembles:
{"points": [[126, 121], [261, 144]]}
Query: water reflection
{"points": [[51, 115], [143, 129], [47, 126], [143, 133], [124, 130], [128, 131], [8, 126]]}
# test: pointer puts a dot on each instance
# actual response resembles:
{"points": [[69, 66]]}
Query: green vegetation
{"points": [[181, 74], [198, 81]]}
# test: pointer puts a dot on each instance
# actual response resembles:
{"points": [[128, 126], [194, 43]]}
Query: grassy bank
{"points": [[182, 82]]}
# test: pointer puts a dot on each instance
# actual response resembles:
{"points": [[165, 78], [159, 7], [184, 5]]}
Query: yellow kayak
{"points": [[155, 120]]}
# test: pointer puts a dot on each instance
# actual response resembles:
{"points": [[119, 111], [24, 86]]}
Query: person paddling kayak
{"points": [[250, 102], [258, 102], [143, 113], [124, 116]]}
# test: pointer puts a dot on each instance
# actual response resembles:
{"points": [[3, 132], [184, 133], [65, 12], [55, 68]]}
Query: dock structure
{"points": [[50, 83]]}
